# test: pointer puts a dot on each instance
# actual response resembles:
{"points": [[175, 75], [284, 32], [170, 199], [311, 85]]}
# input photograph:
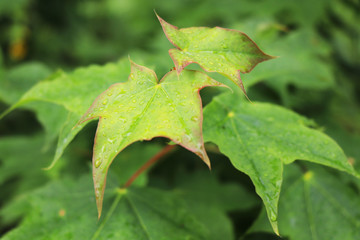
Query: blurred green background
{"points": [[316, 74]]}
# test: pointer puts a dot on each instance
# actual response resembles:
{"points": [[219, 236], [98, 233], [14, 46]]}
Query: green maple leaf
{"points": [[135, 213], [308, 200], [259, 138], [221, 50], [66, 95], [144, 108]]}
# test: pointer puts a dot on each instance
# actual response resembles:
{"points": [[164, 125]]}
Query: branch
{"points": [[148, 164]]}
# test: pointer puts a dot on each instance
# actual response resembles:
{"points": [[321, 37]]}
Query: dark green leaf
{"points": [[315, 205], [259, 138], [66, 211]]}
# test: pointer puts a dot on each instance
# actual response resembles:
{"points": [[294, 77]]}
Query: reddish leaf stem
{"points": [[152, 160]]}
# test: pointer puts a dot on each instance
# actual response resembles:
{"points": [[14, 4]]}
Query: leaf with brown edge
{"points": [[143, 108], [217, 49]]}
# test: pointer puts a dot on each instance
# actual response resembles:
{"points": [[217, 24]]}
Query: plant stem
{"points": [[148, 164]]}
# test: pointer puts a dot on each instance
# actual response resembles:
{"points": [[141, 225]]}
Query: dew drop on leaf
{"points": [[273, 216], [194, 118], [97, 163]]}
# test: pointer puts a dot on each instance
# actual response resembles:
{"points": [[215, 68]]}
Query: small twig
{"points": [[152, 160]]}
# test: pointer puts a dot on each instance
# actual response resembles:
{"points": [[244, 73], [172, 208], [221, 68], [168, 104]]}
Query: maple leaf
{"points": [[66, 95], [311, 198], [217, 49], [266, 137], [144, 108]]}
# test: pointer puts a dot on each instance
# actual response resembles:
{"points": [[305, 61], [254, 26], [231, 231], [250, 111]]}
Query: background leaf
{"points": [[136, 214], [258, 138], [73, 94], [310, 199]]}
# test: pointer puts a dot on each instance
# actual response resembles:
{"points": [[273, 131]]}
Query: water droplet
{"points": [[131, 75], [188, 137], [194, 118], [122, 120], [105, 102], [97, 163], [97, 192], [134, 101], [273, 216], [109, 94]]}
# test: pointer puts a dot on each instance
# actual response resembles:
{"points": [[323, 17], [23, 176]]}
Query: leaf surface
{"points": [[311, 199], [26, 163], [259, 138], [203, 186], [20, 79], [144, 108], [64, 210], [221, 50], [67, 96]]}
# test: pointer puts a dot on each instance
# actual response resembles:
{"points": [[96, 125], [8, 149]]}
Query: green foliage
{"points": [[310, 199], [72, 94], [266, 137], [127, 114], [217, 49], [255, 189], [61, 208]]}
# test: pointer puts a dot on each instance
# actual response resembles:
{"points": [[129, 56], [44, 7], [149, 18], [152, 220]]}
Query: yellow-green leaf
{"points": [[144, 108], [221, 50]]}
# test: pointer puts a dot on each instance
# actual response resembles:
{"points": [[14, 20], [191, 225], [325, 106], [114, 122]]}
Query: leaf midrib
{"points": [[140, 116]]}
